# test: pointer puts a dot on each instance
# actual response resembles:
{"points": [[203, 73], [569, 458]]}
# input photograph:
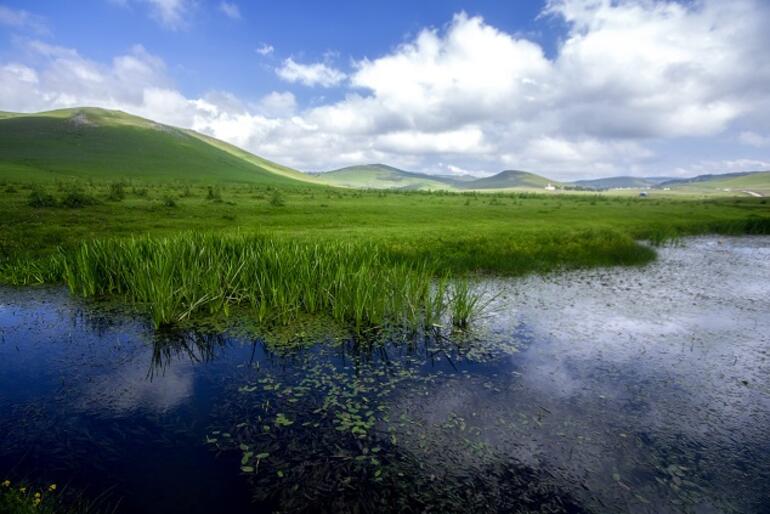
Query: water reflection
{"points": [[636, 390]]}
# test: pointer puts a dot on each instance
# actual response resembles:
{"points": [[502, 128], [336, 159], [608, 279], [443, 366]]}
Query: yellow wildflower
{"points": [[6, 483], [23, 489], [52, 487]]}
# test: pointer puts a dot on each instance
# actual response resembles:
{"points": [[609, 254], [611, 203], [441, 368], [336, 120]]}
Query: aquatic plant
{"points": [[274, 280], [465, 303], [22, 499]]}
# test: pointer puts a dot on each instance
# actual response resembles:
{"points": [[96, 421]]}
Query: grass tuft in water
{"points": [[273, 280]]}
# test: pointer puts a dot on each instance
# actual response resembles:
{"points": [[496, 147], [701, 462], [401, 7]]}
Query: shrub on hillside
{"points": [[277, 199], [117, 192], [76, 200], [214, 194], [39, 200]]}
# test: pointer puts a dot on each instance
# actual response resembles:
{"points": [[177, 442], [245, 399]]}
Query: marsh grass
{"points": [[270, 279]]}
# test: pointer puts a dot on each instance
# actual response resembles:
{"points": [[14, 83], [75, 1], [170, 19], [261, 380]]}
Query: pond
{"points": [[610, 390]]}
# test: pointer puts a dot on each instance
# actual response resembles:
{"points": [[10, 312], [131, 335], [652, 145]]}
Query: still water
{"points": [[617, 390]]}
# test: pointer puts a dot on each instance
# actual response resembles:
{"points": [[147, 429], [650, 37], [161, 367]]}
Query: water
{"points": [[622, 390]]}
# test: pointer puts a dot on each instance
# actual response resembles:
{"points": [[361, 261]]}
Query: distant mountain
{"points": [[112, 145], [620, 182], [713, 178], [381, 176], [754, 181], [509, 179]]}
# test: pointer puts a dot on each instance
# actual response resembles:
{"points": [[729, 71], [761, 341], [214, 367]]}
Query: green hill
{"points": [[96, 143], [510, 179], [620, 182], [753, 181], [381, 176]]}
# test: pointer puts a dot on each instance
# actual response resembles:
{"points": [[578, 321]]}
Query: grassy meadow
{"points": [[362, 257]]}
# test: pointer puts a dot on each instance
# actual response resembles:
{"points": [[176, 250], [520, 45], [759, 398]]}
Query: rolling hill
{"points": [[510, 179], [381, 176], [96, 143], [620, 182], [754, 181]]}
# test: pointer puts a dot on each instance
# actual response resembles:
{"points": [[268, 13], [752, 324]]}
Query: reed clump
{"points": [[274, 280]]}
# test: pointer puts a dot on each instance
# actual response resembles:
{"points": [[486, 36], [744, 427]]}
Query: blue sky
{"points": [[568, 88]]}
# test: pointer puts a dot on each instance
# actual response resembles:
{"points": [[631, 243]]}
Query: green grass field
{"points": [[507, 233]]}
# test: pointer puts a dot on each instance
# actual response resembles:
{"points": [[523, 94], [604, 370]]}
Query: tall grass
{"points": [[273, 280]]}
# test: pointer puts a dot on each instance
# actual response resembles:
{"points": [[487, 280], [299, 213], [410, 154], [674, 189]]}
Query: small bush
{"points": [[10, 189], [277, 199], [40, 200], [77, 200], [169, 202], [140, 192], [117, 192], [214, 194]]}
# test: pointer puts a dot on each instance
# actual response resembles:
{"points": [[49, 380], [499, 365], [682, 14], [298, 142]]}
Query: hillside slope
{"points": [[755, 181], [509, 179], [96, 143], [381, 176], [620, 182]]}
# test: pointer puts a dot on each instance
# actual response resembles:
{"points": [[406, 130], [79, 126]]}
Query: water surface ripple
{"points": [[611, 390]]}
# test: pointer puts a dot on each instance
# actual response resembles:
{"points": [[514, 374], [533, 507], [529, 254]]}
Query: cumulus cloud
{"points": [[626, 77], [231, 10], [314, 74], [278, 104]]}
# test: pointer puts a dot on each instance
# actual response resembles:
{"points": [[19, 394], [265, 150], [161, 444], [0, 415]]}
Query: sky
{"points": [[566, 88]]}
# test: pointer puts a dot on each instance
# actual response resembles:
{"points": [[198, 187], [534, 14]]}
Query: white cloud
{"points": [[265, 49], [726, 166], [315, 74], [464, 141], [172, 14], [754, 139], [628, 78], [278, 104], [21, 19], [231, 10]]}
